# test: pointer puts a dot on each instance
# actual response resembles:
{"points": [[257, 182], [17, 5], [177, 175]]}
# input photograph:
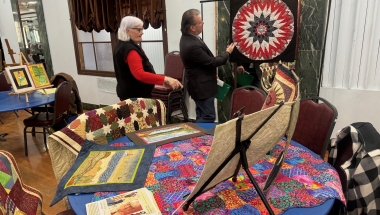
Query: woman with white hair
{"points": [[134, 73]]}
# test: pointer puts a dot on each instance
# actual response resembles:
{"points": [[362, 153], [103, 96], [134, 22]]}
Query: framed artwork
{"points": [[166, 134], [19, 78], [38, 75]]}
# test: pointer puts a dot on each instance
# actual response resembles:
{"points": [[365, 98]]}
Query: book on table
{"points": [[140, 201]]}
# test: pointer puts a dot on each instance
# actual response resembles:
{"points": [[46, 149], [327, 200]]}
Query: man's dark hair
{"points": [[188, 20]]}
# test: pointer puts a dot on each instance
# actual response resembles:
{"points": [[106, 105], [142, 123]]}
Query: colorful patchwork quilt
{"points": [[303, 181], [102, 126], [283, 87], [15, 196]]}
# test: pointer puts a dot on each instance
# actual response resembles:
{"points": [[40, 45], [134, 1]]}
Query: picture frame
{"points": [[38, 75], [166, 133], [19, 78]]}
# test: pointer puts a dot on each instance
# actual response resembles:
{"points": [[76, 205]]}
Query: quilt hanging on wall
{"points": [[264, 30]]}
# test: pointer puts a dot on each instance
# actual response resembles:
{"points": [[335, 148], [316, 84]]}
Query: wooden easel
{"points": [[22, 59], [11, 53]]}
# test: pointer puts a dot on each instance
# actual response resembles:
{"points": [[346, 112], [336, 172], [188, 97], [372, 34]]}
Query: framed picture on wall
{"points": [[19, 78], [38, 75]]}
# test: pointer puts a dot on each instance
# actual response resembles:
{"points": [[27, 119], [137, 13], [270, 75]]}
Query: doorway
{"points": [[31, 32]]}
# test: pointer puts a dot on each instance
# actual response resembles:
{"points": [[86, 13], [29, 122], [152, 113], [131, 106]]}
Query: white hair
{"points": [[127, 22]]}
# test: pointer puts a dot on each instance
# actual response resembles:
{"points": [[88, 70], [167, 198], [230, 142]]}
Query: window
{"points": [[94, 51]]}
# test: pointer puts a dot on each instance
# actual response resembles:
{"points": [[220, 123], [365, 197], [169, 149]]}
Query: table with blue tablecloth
{"points": [[13, 102], [305, 184]]}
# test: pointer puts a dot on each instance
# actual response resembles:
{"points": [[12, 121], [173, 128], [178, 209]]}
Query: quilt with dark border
{"points": [[263, 30], [305, 180], [105, 168]]}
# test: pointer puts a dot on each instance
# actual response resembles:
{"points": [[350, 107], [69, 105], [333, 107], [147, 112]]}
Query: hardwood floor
{"points": [[36, 170]]}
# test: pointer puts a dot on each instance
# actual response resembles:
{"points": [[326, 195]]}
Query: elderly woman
{"points": [[134, 73]]}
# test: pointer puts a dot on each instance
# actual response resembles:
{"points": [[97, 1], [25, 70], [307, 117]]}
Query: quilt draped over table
{"points": [[305, 180], [102, 126]]}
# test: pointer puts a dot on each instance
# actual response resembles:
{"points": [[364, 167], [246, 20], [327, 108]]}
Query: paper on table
{"points": [[140, 201], [48, 90]]}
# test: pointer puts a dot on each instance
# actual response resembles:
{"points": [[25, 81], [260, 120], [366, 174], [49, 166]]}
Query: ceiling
{"points": [[27, 6]]}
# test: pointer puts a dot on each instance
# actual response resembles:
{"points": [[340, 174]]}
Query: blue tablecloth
{"points": [[14, 102], [78, 202]]}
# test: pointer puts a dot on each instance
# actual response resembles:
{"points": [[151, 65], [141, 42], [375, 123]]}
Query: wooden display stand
{"points": [[23, 61], [11, 53]]}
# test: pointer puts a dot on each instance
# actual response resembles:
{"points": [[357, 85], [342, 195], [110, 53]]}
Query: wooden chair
{"points": [[173, 99], [46, 120], [316, 121], [249, 97]]}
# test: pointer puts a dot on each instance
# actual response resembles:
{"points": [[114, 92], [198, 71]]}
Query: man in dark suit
{"points": [[200, 65]]}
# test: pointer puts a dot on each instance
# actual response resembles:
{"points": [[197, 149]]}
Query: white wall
{"points": [[8, 30], [175, 9], [59, 32], [353, 106]]}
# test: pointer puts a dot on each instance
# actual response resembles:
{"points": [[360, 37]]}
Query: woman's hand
{"points": [[173, 83], [230, 48]]}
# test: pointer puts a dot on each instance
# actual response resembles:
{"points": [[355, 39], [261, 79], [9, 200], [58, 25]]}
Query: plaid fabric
{"points": [[362, 170]]}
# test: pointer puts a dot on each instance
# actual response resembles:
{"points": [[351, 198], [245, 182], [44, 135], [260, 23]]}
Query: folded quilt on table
{"points": [[105, 168], [102, 126], [304, 181]]}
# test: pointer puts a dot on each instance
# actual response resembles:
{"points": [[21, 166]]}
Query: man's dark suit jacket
{"points": [[200, 66]]}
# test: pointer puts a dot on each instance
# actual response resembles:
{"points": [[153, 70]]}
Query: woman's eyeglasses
{"points": [[138, 29]]}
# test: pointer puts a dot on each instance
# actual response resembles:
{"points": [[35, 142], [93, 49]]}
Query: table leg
{"points": [[47, 95]]}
